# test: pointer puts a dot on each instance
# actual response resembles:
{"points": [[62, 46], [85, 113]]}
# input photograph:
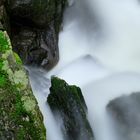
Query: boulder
{"points": [[68, 102], [125, 111], [35, 26], [20, 117]]}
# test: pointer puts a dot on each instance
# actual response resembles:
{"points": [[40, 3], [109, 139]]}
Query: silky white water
{"points": [[100, 52]]}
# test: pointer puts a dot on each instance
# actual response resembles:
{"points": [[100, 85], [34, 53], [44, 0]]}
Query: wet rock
{"points": [[20, 117], [68, 102], [36, 47], [41, 20], [125, 111]]}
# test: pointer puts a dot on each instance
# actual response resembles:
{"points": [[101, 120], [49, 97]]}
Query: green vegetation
{"points": [[4, 44], [18, 120], [17, 58], [2, 80]]}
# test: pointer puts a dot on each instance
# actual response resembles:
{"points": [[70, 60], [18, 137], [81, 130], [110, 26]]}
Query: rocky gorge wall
{"points": [[20, 117], [33, 26], [30, 29]]}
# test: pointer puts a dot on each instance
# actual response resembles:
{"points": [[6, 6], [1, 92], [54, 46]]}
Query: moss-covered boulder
{"points": [[68, 102], [125, 111], [20, 118], [35, 28]]}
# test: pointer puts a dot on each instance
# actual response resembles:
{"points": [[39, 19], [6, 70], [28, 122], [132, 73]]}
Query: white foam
{"points": [[109, 32]]}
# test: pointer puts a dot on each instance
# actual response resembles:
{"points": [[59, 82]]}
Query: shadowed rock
{"points": [[125, 110], [35, 26], [68, 102]]}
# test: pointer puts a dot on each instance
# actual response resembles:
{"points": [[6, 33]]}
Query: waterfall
{"points": [[100, 52]]}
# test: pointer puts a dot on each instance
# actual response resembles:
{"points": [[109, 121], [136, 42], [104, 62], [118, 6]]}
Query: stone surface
{"points": [[20, 117], [4, 19], [36, 47], [33, 12], [125, 111], [35, 26], [68, 102]]}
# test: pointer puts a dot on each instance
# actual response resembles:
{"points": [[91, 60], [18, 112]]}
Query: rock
{"points": [[36, 47], [20, 117], [125, 111], [31, 11], [35, 27], [2, 2], [68, 102], [4, 19]]}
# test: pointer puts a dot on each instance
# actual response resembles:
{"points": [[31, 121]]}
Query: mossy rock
{"points": [[20, 117], [68, 102]]}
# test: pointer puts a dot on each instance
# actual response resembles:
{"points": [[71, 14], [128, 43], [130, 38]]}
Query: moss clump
{"points": [[17, 58], [4, 44], [17, 121], [17, 116], [2, 80], [69, 103]]}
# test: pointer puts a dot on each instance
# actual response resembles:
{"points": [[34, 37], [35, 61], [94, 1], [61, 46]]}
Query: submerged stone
{"points": [[68, 102], [125, 112]]}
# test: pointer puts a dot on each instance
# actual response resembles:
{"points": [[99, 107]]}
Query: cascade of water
{"points": [[100, 52], [40, 86]]}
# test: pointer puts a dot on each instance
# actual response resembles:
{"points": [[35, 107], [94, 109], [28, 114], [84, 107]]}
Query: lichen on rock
{"points": [[20, 117]]}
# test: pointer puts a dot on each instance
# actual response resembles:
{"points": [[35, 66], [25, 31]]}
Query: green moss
{"points": [[1, 63], [68, 101], [21, 119], [24, 121], [4, 45], [17, 58], [20, 134], [2, 80]]}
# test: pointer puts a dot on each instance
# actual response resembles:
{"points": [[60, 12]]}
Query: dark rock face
{"points": [[126, 113], [31, 11], [68, 102], [34, 30], [36, 47], [4, 19]]}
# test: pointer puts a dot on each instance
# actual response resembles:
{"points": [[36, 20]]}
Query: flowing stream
{"points": [[100, 52]]}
